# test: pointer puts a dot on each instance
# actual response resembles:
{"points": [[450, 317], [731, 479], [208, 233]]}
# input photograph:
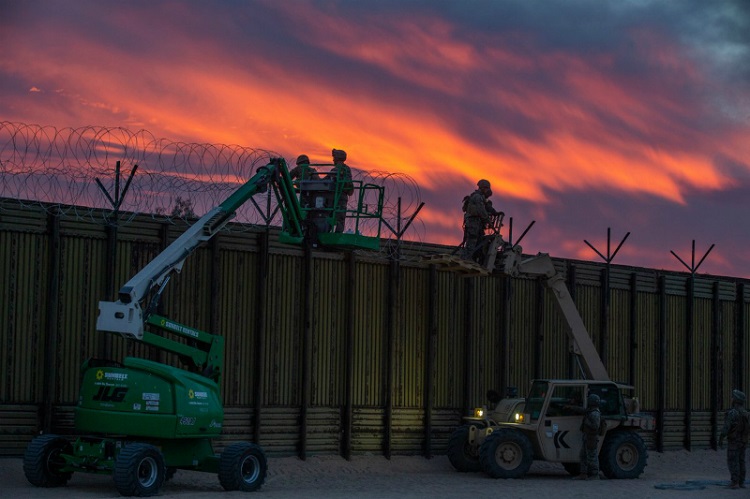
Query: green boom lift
{"points": [[143, 420]]}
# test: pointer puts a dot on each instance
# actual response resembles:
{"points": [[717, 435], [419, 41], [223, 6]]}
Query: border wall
{"points": [[349, 353]]}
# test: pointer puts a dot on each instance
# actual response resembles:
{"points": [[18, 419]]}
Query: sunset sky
{"points": [[584, 114]]}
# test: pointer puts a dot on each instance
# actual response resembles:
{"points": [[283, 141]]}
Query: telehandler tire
{"points": [[42, 461], [242, 466], [460, 453], [623, 455], [139, 470], [506, 453]]}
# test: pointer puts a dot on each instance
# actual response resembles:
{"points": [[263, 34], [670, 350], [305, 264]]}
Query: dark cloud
{"points": [[656, 227], [585, 114]]}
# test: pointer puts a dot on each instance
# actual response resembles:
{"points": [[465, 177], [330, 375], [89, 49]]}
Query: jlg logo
{"points": [[110, 394]]}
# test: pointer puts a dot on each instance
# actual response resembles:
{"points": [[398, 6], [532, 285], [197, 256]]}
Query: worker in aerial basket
{"points": [[343, 175]]}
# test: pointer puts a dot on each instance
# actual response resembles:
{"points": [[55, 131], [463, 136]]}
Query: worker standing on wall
{"points": [[477, 209]]}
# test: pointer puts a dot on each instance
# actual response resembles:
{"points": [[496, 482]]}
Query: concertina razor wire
{"points": [[60, 170]]}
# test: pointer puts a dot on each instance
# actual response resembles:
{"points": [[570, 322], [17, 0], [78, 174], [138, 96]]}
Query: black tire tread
{"points": [[35, 464], [229, 462], [457, 454], [124, 477], [608, 455], [487, 453]]}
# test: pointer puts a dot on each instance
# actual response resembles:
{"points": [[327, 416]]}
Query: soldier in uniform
{"points": [[590, 445], [303, 170], [477, 210], [736, 430], [343, 174]]}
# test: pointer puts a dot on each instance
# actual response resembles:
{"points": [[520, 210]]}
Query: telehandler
{"points": [[545, 425], [142, 420]]}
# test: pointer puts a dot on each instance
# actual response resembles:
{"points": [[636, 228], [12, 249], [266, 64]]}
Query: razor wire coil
{"points": [[68, 170]]}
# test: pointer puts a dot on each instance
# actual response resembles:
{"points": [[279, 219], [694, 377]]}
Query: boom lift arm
{"points": [[139, 297], [580, 342], [127, 316]]}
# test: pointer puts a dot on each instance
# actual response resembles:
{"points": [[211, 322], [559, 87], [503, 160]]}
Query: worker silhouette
{"points": [[590, 429], [302, 169], [736, 430], [342, 174], [477, 209]]}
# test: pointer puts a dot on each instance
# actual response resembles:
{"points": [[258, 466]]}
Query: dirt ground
{"points": [[703, 472]]}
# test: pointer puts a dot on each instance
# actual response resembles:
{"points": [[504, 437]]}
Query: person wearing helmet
{"points": [[736, 430], [590, 428], [302, 170], [342, 174], [477, 210]]}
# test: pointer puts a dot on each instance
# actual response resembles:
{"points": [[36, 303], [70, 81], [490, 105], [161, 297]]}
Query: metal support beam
{"points": [[661, 378], [431, 348], [716, 356], [348, 416], [306, 331], [260, 332], [53, 332]]}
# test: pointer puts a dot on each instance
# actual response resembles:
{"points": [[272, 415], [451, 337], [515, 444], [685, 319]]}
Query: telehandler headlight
{"points": [[479, 412], [519, 417]]}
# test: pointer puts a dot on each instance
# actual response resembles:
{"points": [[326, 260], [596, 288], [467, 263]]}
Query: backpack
{"points": [[743, 427], [741, 431], [465, 203]]}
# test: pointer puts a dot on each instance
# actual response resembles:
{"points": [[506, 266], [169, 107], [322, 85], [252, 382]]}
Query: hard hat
{"points": [[303, 159], [483, 184], [739, 396], [338, 154], [593, 400]]}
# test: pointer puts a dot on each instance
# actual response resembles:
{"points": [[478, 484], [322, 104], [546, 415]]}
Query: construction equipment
{"points": [[143, 420], [484, 252], [546, 424]]}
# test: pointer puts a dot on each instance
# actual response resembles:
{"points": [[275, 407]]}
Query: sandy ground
{"points": [[366, 477]]}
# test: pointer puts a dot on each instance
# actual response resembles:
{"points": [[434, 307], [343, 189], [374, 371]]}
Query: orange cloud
{"points": [[444, 108]]}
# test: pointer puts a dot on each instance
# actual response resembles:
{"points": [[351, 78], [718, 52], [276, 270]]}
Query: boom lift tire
{"points": [[139, 470], [42, 461], [460, 451], [623, 455], [506, 453], [242, 466]]}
